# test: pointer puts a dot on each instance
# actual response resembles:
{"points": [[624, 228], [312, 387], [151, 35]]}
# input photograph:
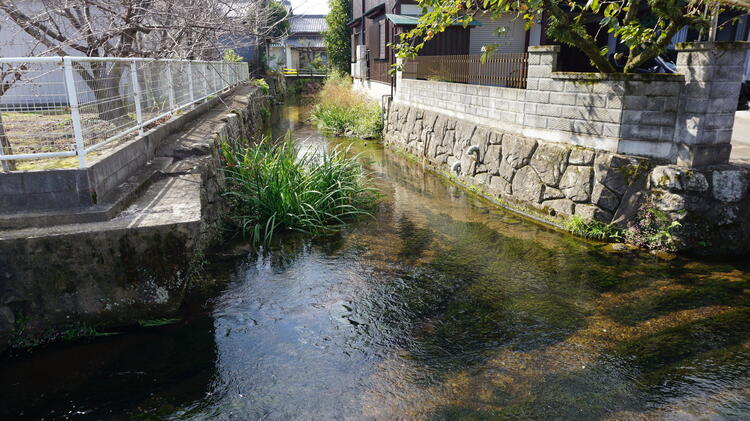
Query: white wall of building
{"points": [[372, 89], [511, 40]]}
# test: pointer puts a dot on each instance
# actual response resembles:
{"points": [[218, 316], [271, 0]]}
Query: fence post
{"points": [[137, 95], [170, 77], [205, 80], [75, 113], [190, 81]]}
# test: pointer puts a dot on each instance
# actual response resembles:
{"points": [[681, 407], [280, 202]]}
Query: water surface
{"points": [[442, 307]]}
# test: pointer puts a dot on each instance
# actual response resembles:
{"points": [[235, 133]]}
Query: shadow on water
{"points": [[441, 307]]}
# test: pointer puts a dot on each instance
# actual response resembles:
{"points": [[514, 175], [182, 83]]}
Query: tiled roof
{"points": [[308, 23]]}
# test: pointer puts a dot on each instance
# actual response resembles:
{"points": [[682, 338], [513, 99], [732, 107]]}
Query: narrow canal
{"points": [[441, 307]]}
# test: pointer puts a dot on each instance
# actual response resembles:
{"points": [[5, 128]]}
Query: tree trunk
{"points": [[635, 61], [110, 105], [104, 83], [7, 149]]}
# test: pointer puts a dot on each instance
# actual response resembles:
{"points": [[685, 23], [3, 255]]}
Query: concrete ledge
{"points": [[121, 196], [640, 77]]}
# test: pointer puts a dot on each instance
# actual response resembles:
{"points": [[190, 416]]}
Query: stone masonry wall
{"points": [[554, 181]]}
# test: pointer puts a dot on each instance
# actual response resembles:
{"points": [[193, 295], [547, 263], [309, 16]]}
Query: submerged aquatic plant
{"points": [[593, 229], [273, 187], [341, 111]]}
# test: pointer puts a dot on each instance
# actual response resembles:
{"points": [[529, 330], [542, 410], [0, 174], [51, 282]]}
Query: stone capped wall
{"points": [[556, 180]]}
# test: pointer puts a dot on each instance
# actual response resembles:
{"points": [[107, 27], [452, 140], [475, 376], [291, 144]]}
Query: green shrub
{"points": [[272, 187], [262, 84], [593, 229], [655, 230], [341, 111]]}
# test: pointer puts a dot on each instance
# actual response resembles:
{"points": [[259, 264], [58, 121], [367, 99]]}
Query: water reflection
{"points": [[441, 307]]}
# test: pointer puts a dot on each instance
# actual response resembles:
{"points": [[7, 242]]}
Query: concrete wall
{"points": [[372, 89], [138, 265], [38, 190], [680, 118]]}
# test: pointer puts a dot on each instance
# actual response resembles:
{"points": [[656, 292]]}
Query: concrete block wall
{"points": [[493, 106], [677, 118], [709, 100]]}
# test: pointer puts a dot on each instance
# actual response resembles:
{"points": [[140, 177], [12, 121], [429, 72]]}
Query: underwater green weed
{"points": [[273, 187]]}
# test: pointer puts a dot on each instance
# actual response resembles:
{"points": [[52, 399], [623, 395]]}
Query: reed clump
{"points": [[272, 187]]}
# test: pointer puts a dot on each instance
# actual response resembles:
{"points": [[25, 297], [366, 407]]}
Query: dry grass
{"points": [[341, 111]]}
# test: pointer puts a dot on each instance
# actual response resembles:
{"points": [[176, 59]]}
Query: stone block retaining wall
{"points": [[554, 180]]}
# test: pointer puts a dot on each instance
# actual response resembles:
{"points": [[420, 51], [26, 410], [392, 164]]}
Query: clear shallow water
{"points": [[442, 307]]}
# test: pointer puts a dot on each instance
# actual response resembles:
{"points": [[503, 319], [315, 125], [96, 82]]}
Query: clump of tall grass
{"points": [[272, 188], [341, 111], [593, 229]]}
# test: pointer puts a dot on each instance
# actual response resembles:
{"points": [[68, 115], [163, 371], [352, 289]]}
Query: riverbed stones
{"points": [[576, 183], [527, 185], [549, 161]]}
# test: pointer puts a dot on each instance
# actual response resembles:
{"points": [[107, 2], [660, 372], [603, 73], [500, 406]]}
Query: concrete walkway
{"points": [[741, 139]]}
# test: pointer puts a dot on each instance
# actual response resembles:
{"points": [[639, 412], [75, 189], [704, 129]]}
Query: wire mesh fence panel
{"points": [[180, 76], [155, 90], [105, 99], [34, 113], [65, 106]]}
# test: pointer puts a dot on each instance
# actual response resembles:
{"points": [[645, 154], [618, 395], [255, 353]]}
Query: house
{"points": [[303, 48], [375, 24]]}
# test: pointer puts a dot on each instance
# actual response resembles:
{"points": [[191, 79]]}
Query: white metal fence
{"points": [[71, 106]]}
